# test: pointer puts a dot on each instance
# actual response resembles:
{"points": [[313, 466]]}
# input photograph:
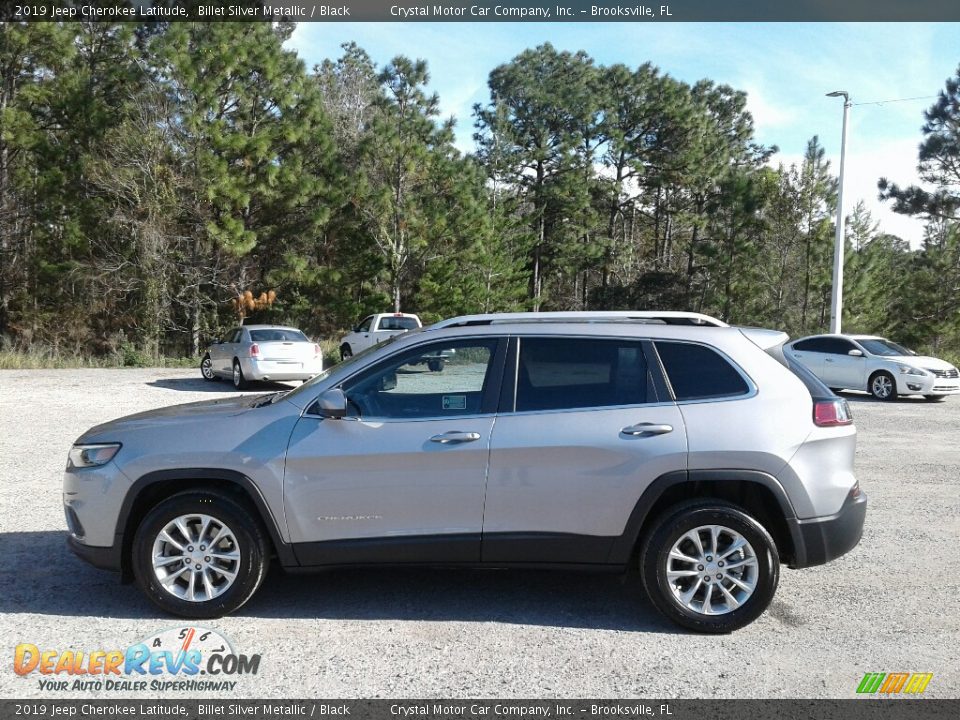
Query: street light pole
{"points": [[836, 294]]}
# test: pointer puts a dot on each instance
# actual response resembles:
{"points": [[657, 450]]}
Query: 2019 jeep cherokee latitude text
{"points": [[589, 442]]}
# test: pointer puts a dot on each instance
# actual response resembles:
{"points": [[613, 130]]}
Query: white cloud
{"points": [[767, 114], [893, 159]]}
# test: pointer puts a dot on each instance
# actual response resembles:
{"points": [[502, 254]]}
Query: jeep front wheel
{"points": [[199, 554]]}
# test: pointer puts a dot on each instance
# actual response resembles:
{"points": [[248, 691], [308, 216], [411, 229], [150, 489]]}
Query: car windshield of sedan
{"points": [[884, 348]]}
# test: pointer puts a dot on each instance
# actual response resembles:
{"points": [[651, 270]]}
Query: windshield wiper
{"points": [[269, 399]]}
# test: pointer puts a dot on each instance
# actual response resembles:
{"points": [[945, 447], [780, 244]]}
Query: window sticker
{"points": [[454, 402]]}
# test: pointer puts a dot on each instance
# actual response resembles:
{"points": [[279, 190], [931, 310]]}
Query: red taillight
{"points": [[254, 350], [317, 352], [830, 413]]}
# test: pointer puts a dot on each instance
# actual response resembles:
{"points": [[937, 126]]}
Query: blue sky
{"points": [[786, 68]]}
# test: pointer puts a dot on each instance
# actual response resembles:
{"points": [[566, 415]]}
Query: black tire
{"points": [[435, 365], [875, 386], [206, 369], [345, 352], [251, 540], [934, 398], [670, 527], [239, 381]]}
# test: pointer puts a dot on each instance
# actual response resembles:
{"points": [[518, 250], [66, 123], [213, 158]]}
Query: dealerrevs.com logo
{"points": [[189, 659]]}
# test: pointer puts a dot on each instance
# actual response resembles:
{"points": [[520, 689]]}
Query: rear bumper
{"points": [[822, 539], [273, 370], [105, 558]]}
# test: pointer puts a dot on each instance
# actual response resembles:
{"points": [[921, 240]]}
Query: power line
{"points": [[884, 102]]}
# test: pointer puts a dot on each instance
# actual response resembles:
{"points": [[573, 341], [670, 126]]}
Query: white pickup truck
{"points": [[375, 329]]}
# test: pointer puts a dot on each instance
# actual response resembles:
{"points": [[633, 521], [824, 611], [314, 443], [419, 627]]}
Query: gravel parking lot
{"points": [[893, 604]]}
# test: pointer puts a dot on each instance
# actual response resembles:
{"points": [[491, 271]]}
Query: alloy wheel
{"points": [[206, 368], [882, 386], [712, 570], [196, 557]]}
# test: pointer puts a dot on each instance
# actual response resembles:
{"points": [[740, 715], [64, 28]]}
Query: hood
{"points": [[204, 409], [921, 361]]}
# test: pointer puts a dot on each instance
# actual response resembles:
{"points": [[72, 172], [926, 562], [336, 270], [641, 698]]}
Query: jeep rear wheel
{"points": [[709, 566], [199, 555]]}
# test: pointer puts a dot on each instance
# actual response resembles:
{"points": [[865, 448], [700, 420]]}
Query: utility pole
{"points": [[836, 293]]}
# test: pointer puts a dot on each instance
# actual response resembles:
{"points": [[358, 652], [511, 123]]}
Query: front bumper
{"points": [[822, 539], [927, 385], [105, 558]]}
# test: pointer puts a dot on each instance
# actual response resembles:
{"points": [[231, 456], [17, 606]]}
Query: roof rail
{"points": [[665, 317]]}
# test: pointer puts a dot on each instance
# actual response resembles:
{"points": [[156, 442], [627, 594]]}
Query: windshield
{"points": [[339, 368], [884, 348]]}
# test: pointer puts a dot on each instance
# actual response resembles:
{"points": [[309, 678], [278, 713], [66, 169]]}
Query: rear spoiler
{"points": [[763, 338]]}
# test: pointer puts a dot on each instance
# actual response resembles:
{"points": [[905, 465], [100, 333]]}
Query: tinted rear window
{"points": [[561, 373], [696, 372], [398, 323], [277, 335]]}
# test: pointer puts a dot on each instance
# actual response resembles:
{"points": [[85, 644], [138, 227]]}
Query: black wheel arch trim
{"points": [[624, 546], [283, 549]]}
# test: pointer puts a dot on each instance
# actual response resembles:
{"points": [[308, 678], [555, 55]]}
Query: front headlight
{"points": [[83, 456], [907, 370]]}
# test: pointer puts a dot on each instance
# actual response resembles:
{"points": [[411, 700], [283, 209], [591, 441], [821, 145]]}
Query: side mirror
{"points": [[332, 404], [855, 353], [388, 382], [218, 341]]}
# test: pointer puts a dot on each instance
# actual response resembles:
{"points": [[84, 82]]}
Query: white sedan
{"points": [[875, 364], [262, 352]]}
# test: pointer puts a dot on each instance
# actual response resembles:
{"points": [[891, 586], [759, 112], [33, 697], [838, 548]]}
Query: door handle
{"points": [[455, 437], [828, 359], [647, 429]]}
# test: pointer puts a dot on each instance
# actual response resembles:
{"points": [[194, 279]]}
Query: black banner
{"points": [[854, 709], [502, 11]]}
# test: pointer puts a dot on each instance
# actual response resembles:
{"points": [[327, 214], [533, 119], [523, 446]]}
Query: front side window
{"points": [[365, 325], [697, 372], [436, 380], [568, 373], [838, 346]]}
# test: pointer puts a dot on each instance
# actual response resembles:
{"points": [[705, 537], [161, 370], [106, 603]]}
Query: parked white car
{"points": [[374, 329], [875, 364], [262, 352]]}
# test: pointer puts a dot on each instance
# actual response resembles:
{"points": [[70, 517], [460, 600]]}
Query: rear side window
{"points": [[561, 373], [811, 345], [696, 372]]}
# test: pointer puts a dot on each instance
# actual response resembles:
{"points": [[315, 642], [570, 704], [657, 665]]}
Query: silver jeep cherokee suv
{"points": [[597, 441]]}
